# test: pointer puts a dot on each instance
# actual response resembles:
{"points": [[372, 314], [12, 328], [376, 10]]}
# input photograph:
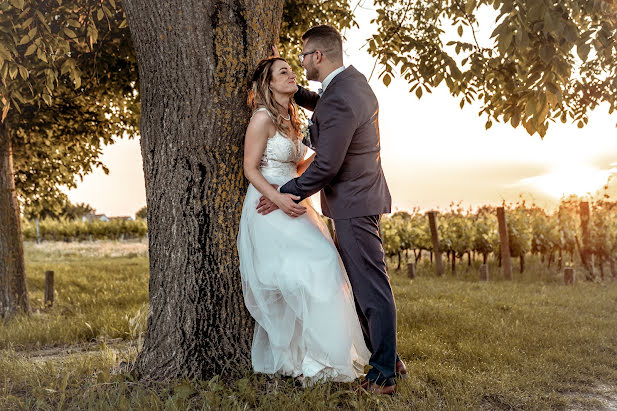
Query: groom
{"points": [[344, 133]]}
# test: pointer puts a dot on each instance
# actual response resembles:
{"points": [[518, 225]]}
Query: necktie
{"points": [[319, 91]]}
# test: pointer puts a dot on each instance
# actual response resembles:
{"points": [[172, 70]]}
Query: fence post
{"points": [[38, 232], [506, 264], [586, 254], [432, 222], [49, 288], [484, 272], [568, 276], [411, 270]]}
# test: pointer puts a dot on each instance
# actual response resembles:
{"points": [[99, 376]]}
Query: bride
{"points": [[294, 283]]}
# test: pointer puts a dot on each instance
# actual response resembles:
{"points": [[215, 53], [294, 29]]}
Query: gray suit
{"points": [[347, 168]]}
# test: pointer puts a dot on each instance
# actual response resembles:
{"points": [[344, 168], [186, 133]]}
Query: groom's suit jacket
{"points": [[344, 133]]}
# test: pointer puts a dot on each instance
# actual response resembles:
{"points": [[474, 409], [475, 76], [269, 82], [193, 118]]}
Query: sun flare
{"points": [[577, 179]]}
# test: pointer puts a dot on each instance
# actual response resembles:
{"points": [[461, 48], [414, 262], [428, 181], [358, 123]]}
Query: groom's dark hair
{"points": [[326, 39]]}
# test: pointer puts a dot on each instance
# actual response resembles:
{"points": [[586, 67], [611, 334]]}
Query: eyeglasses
{"points": [[301, 56]]}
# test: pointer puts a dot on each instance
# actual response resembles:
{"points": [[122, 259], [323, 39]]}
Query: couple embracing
{"points": [[323, 307]]}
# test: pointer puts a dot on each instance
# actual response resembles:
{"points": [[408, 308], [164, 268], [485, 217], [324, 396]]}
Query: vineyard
{"points": [[560, 238], [75, 230], [577, 231]]}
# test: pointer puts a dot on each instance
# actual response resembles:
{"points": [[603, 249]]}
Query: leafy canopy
{"points": [[545, 60], [68, 86]]}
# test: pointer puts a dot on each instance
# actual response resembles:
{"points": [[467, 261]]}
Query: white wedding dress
{"points": [[295, 285]]}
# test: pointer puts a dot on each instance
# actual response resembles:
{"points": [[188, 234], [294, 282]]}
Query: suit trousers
{"points": [[361, 250]]}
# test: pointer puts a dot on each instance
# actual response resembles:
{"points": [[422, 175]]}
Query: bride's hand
{"points": [[275, 51], [287, 203]]}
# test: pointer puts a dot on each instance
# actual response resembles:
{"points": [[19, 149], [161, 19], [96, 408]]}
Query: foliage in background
{"points": [[69, 86], [75, 230], [142, 213], [68, 211], [546, 60], [530, 230]]}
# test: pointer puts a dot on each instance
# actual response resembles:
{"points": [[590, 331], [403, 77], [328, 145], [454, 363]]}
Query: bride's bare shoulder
{"points": [[262, 123]]}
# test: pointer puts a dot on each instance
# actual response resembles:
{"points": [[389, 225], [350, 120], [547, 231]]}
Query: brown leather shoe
{"points": [[401, 370], [374, 388]]}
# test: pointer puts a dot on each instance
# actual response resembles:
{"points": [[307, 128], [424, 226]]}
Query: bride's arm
{"points": [[259, 129], [303, 165]]}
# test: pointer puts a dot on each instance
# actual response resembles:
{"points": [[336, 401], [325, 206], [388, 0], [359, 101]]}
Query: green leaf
{"points": [[570, 33], [546, 53], [47, 99], [23, 72], [69, 33], [31, 49], [25, 39], [460, 31], [99, 14], [583, 51], [13, 70], [17, 3], [419, 92], [488, 124], [470, 6], [387, 79]]}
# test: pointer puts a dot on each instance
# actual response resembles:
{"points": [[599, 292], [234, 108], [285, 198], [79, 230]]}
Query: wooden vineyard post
{"points": [[49, 288], [569, 276], [484, 272], [411, 271], [432, 222], [504, 243], [586, 254]]}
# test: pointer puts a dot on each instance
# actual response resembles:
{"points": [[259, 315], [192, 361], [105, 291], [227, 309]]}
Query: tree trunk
{"points": [[469, 258], [484, 257], [13, 290], [453, 262], [195, 59], [398, 267], [522, 262]]}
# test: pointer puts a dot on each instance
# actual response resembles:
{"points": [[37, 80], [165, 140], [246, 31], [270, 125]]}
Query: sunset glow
{"points": [[578, 179]]}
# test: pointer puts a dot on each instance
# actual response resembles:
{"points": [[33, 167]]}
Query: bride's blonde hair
{"points": [[260, 95]]}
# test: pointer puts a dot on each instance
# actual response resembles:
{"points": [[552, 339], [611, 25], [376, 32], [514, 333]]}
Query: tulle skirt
{"points": [[296, 288]]}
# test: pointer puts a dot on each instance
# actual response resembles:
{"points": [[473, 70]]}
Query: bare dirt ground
{"points": [[122, 348]]}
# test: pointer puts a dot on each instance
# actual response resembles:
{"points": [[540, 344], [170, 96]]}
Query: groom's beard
{"points": [[311, 73]]}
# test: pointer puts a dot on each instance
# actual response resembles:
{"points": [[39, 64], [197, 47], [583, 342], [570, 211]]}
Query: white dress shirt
{"points": [[328, 79]]}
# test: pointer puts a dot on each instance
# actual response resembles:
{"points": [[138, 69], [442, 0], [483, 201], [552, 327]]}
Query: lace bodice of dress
{"points": [[281, 156]]}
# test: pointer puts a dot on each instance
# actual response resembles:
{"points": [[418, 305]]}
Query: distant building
{"points": [[95, 217], [123, 218]]}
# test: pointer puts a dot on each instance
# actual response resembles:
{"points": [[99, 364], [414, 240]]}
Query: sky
{"points": [[433, 153]]}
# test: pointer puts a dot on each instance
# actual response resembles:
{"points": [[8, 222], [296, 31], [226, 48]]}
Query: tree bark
{"points": [[13, 290], [195, 60]]}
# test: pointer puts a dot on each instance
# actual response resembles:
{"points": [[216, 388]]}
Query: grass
{"points": [[533, 343]]}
